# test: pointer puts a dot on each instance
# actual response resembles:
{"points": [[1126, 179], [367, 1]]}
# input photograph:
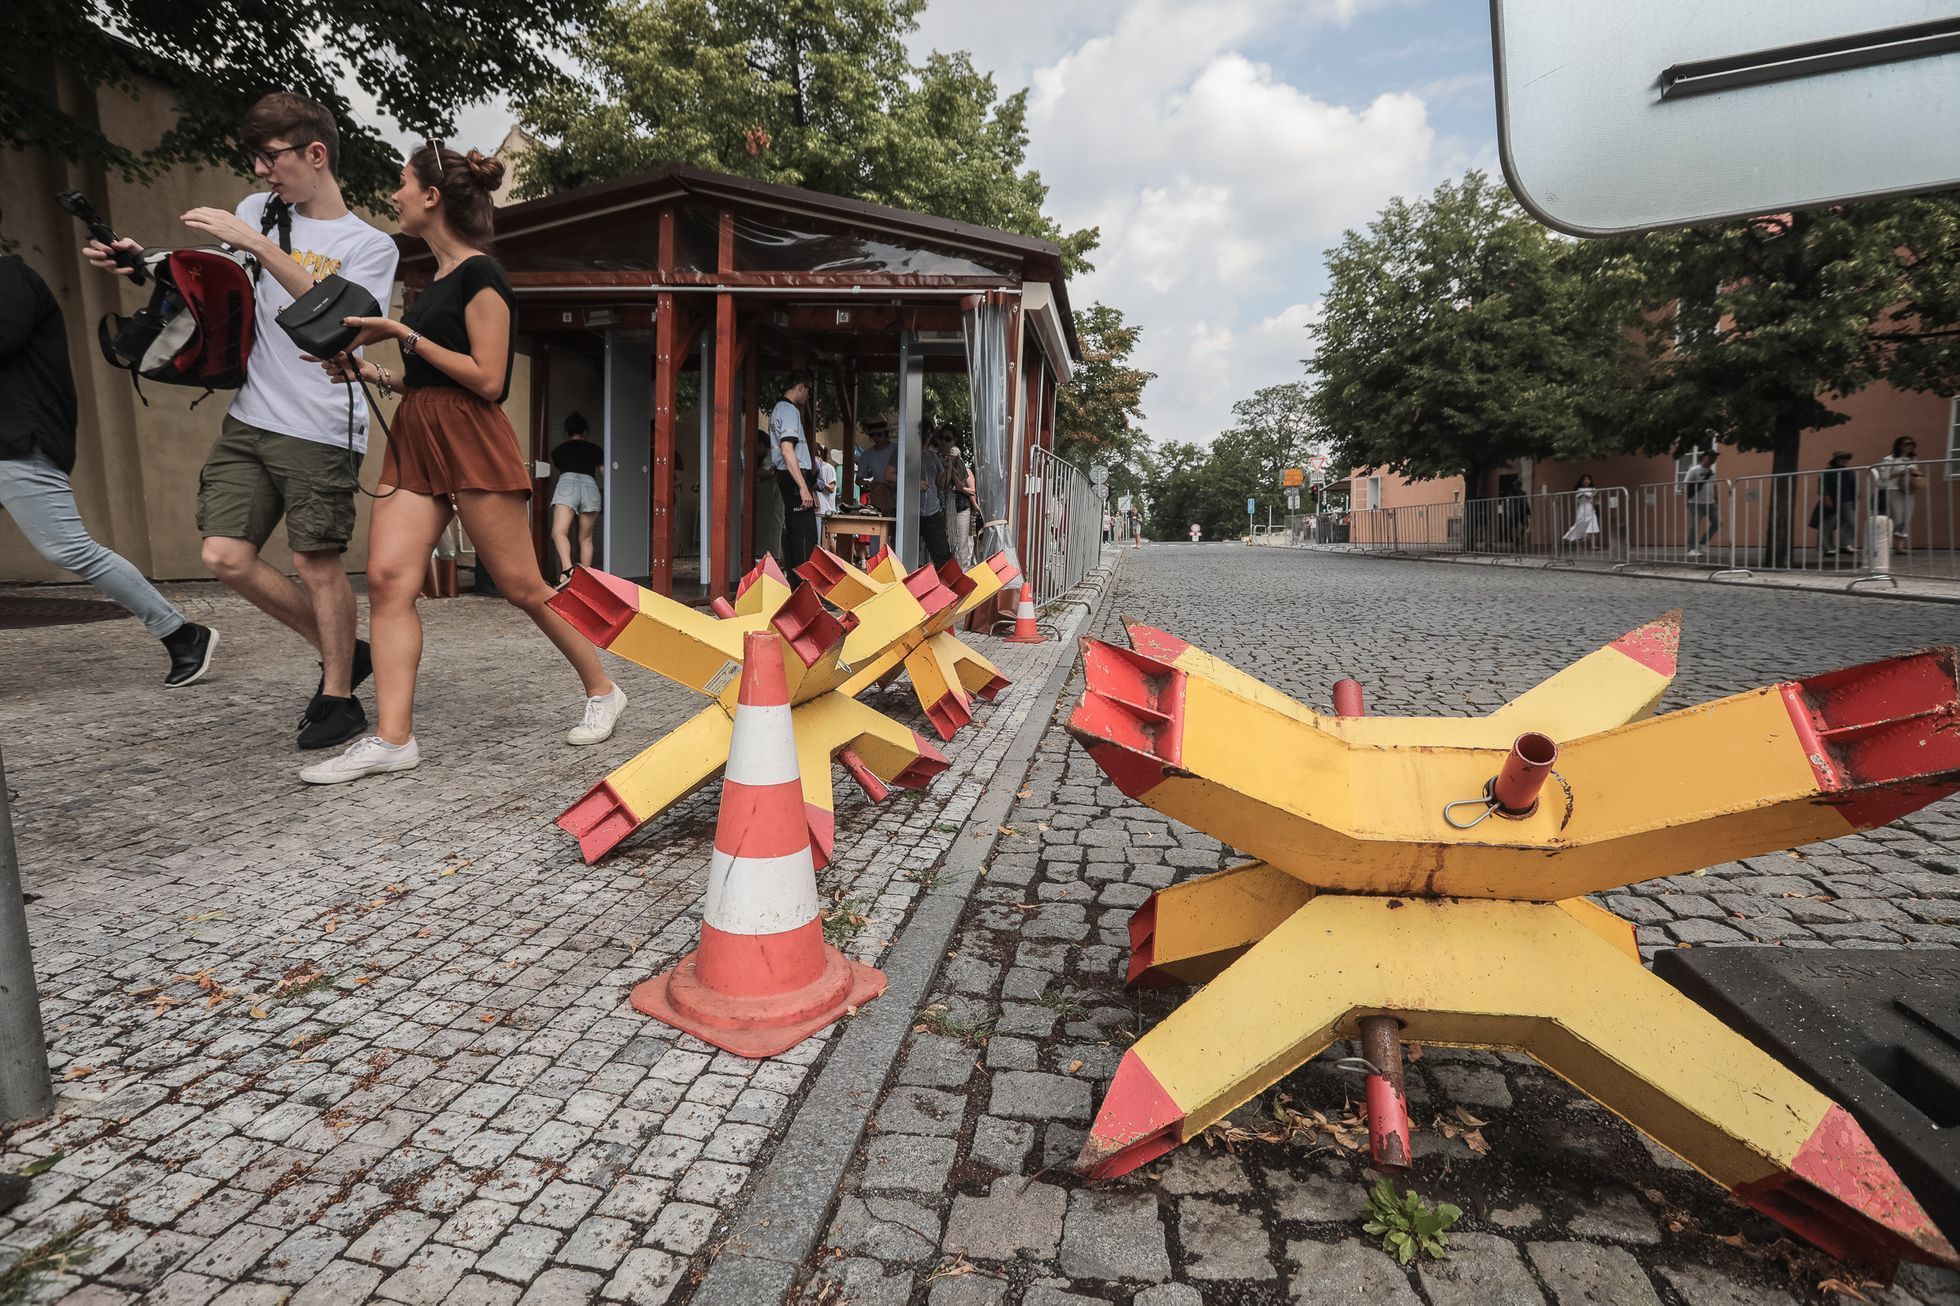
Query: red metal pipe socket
{"points": [[1388, 1109], [1515, 790], [1347, 698]]}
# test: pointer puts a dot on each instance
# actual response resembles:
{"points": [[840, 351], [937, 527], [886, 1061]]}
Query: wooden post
{"points": [[541, 545], [666, 377], [750, 400], [847, 400], [719, 507]]}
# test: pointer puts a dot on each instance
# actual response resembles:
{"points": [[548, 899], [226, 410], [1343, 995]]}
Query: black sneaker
{"points": [[363, 668], [331, 721], [190, 647]]}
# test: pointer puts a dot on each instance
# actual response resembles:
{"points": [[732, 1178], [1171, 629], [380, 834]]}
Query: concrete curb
{"points": [[1897, 596], [776, 1227]]}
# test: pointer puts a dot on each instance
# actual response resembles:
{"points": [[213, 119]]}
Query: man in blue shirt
{"points": [[789, 454]]}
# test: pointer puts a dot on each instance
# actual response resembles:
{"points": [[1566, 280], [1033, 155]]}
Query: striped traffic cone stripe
{"points": [[1025, 629], [762, 979]]}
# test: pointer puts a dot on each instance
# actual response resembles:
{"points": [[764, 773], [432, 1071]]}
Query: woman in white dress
{"points": [[1899, 475], [1585, 517]]}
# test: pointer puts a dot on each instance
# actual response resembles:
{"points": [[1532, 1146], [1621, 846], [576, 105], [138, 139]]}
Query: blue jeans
{"points": [[36, 494]]}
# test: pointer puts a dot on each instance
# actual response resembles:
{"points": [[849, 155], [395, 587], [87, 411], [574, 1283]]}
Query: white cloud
{"points": [[1215, 180]]}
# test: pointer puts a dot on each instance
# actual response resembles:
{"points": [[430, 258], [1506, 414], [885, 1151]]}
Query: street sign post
{"points": [[1624, 117]]}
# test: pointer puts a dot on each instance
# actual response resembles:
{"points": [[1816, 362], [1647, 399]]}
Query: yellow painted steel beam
{"points": [[1621, 682], [1755, 772], [660, 775], [1190, 932], [1532, 978]]}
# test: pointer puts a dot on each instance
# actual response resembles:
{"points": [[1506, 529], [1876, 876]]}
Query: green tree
{"points": [[813, 93], [1458, 335], [1754, 330], [1099, 413], [421, 61], [1272, 430]]}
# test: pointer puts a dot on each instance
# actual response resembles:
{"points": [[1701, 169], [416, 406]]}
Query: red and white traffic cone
{"points": [[1025, 630], [762, 979]]}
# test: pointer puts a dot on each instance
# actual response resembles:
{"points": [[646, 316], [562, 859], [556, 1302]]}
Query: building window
{"points": [[1689, 459], [1374, 493]]}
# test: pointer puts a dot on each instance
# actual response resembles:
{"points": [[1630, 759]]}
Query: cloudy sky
{"points": [[1222, 147]]}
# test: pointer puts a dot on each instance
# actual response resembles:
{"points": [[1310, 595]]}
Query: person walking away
{"points": [[789, 447], [932, 504], [1585, 514], [451, 445], [1704, 511], [1835, 518], [37, 456], [575, 499], [289, 446], [1899, 475]]}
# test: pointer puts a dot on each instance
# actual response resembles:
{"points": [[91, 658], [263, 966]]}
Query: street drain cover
{"points": [[1876, 1029]]}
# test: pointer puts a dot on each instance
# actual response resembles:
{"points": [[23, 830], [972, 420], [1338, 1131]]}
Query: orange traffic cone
{"points": [[1025, 630], [762, 979]]}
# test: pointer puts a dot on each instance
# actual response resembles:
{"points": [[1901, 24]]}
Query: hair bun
{"points": [[488, 170]]}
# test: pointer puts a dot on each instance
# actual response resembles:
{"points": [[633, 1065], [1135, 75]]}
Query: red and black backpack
{"points": [[197, 328]]}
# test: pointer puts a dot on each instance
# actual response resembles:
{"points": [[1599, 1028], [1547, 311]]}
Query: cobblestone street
{"points": [[372, 1042], [963, 1193]]}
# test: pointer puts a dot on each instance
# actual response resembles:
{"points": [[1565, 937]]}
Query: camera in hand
{"points": [[76, 205]]}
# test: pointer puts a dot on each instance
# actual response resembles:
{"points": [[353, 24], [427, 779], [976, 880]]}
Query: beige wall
{"points": [[137, 468]]}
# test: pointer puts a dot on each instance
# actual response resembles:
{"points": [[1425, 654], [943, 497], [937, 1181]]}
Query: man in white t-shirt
{"points": [[290, 444]]}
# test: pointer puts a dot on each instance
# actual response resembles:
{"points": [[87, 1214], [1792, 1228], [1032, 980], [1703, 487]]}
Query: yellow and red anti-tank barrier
{"points": [[1394, 883], [894, 623], [705, 653]]}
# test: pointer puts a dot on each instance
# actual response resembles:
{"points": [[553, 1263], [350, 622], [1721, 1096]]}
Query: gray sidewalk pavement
{"points": [[372, 1042], [963, 1193]]}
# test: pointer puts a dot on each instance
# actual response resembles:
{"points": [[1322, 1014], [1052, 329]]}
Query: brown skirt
{"points": [[446, 439]]}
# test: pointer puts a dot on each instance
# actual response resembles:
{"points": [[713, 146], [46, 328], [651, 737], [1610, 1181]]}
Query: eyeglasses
{"points": [[270, 158]]}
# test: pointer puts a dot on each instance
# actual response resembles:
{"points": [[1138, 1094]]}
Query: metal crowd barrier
{"points": [[1066, 511], [1873, 522]]}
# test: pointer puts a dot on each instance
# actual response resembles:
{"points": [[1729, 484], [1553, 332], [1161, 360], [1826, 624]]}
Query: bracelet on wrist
{"points": [[409, 342]]}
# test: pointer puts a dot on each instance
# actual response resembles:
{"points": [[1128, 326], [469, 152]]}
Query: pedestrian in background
{"points": [[932, 504], [768, 503], [1704, 511], [1899, 475], [826, 477], [575, 499], [37, 455], [1585, 514], [1835, 518], [452, 452], [957, 476], [789, 448]]}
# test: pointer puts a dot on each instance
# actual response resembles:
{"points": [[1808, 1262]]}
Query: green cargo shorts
{"points": [[252, 478]]}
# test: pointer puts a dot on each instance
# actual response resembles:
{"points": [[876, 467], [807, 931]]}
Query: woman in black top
{"points": [[576, 497], [452, 452]]}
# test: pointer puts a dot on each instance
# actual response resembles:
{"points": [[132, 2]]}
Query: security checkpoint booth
{"points": [[657, 306]]}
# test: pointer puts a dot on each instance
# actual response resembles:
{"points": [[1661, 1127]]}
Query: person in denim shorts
{"points": [[576, 496]]}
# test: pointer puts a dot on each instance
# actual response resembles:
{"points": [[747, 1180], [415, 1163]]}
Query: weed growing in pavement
{"points": [[1409, 1227], [937, 1019], [1065, 1002], [50, 1257], [926, 878], [842, 922]]}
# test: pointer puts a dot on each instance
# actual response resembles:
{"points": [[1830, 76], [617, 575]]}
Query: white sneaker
{"points": [[364, 757], [1694, 553], [601, 716]]}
